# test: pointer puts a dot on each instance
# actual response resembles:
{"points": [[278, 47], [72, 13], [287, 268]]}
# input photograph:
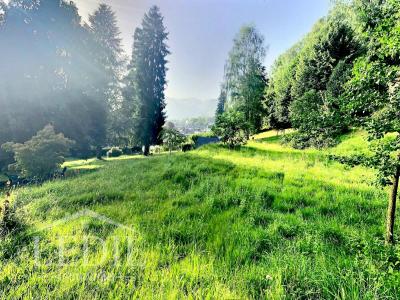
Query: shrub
{"points": [[137, 150], [300, 140], [172, 138], [232, 128], [114, 152], [187, 147], [318, 119], [8, 218], [41, 156]]}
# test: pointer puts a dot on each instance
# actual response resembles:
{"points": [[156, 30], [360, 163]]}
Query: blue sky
{"points": [[201, 33]]}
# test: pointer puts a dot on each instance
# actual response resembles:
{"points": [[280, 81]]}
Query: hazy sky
{"points": [[201, 33]]}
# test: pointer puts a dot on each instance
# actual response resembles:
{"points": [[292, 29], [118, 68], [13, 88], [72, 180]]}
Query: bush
{"points": [[172, 138], [137, 150], [232, 128], [8, 219], [318, 119], [114, 152], [299, 140], [187, 147], [41, 156]]}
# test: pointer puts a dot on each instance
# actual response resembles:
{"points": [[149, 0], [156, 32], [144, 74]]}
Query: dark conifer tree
{"points": [[108, 52], [146, 81], [221, 102]]}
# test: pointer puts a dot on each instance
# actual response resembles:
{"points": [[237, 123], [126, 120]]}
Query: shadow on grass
{"points": [[252, 151], [237, 216]]}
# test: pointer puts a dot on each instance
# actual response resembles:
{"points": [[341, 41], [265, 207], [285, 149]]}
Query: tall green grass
{"points": [[261, 222]]}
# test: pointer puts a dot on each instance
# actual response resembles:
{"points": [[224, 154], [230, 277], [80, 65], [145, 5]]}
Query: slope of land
{"points": [[263, 221]]}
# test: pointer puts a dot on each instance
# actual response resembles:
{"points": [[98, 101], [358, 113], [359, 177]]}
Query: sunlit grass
{"points": [[94, 163], [265, 221]]}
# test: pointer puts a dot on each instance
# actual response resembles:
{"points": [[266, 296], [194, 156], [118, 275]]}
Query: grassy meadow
{"points": [[262, 222]]}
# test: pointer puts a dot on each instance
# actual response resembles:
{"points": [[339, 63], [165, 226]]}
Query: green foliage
{"points": [[114, 152], [221, 102], [245, 77], [172, 138], [42, 155], [194, 137], [306, 87], [279, 90], [108, 59], [146, 81], [379, 65], [232, 128], [372, 94], [317, 119], [57, 81]]}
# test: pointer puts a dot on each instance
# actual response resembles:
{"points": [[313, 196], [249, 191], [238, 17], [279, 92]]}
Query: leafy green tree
{"points": [[278, 93], [373, 94], [172, 138], [232, 128], [146, 81], [245, 76], [322, 68], [42, 155], [317, 120]]}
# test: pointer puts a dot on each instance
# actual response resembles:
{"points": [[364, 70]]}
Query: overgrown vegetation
{"points": [[75, 77], [232, 128], [260, 222], [338, 75], [41, 156]]}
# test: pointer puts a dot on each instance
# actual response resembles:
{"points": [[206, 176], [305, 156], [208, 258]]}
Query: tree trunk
{"points": [[146, 151], [391, 213], [98, 152]]}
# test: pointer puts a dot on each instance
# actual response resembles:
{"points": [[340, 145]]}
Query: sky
{"points": [[201, 34]]}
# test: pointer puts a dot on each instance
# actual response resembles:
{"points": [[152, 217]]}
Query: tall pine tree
{"points": [[108, 56], [221, 102], [106, 34], [146, 80]]}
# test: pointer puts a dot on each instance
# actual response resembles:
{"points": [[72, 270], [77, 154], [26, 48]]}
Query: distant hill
{"points": [[178, 109]]}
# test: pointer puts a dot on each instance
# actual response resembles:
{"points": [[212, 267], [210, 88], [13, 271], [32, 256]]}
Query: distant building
{"points": [[201, 141]]}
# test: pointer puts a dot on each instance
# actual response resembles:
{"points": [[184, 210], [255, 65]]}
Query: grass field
{"points": [[261, 222]]}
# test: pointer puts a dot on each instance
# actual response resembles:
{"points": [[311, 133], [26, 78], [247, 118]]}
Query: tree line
{"points": [[343, 74], [57, 70]]}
